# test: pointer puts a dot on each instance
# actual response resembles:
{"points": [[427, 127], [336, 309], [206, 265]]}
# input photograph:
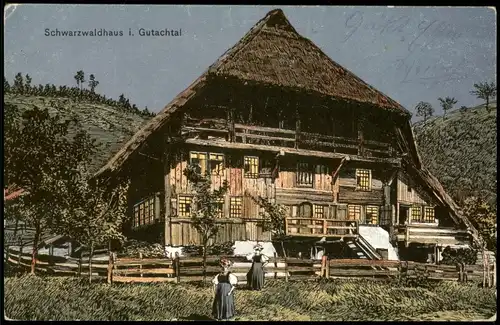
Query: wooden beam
{"points": [[337, 170], [301, 152], [167, 195], [392, 177], [297, 126]]}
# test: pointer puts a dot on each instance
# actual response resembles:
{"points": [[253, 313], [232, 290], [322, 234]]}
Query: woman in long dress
{"points": [[224, 285], [255, 277]]}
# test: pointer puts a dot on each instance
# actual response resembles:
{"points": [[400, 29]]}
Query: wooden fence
{"points": [[186, 269], [383, 269], [191, 269], [56, 265]]}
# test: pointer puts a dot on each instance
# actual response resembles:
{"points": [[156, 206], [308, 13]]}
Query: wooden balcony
{"points": [[259, 135], [315, 227], [431, 234]]}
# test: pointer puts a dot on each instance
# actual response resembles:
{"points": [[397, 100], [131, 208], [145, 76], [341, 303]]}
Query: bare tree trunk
{"points": [[91, 254], [34, 253], [283, 248], [488, 104], [205, 261]]}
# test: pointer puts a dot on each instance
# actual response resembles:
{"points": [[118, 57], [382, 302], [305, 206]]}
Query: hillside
{"points": [[109, 125], [461, 151]]}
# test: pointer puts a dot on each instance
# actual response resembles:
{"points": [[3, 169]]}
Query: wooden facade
{"points": [[333, 160]]}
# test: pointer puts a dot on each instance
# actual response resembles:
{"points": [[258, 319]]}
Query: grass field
{"points": [[37, 298]]}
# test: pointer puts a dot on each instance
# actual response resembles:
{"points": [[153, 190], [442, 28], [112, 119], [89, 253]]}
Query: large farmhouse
{"points": [[277, 118]]}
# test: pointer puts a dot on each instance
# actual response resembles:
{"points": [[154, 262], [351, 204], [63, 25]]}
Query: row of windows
{"points": [[185, 207], [309, 211], [213, 164], [426, 217]]}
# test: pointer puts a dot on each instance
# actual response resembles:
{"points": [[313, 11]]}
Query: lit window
{"points": [[216, 162], [144, 212], [372, 215], [416, 214], [184, 206], [429, 216], [304, 174], [236, 207], [354, 212], [199, 159], [251, 165], [363, 179], [319, 211]]}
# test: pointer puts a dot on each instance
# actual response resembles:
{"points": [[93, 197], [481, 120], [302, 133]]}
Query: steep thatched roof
{"points": [[273, 53]]}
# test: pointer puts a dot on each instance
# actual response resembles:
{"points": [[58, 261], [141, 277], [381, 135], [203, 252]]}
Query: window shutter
{"points": [[341, 211], [385, 215]]}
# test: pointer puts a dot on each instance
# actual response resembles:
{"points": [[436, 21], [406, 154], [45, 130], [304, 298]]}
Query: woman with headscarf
{"points": [[255, 277], [224, 285]]}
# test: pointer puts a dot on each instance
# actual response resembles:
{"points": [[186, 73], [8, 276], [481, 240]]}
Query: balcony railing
{"points": [[315, 227], [207, 128], [431, 234]]}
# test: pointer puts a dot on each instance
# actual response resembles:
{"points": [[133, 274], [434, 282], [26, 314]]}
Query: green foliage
{"points": [[207, 206], [42, 157], [461, 151], [207, 203], [447, 103], [20, 87], [484, 219], [463, 109], [424, 110], [486, 91], [273, 217], [214, 250], [328, 300]]}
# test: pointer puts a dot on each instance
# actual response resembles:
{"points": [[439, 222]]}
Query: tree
{"points": [[80, 78], [463, 109], [92, 83], [485, 91], [424, 109], [40, 156], [273, 218], [6, 85], [94, 213], [483, 218], [18, 83], [207, 208], [28, 83], [447, 104]]}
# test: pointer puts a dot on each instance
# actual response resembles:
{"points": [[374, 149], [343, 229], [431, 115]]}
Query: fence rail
{"points": [[191, 269]]}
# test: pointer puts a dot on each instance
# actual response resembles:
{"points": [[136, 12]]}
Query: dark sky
{"points": [[410, 54]]}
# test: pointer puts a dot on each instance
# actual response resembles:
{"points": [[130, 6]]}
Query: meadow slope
{"points": [[110, 126], [461, 151]]}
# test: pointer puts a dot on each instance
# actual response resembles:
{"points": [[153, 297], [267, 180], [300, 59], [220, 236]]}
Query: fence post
{"points": [[322, 272], [465, 274], [459, 269], [286, 270], [20, 253], [140, 265], [111, 263], [327, 267], [177, 267], [275, 266], [494, 273], [80, 264]]}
